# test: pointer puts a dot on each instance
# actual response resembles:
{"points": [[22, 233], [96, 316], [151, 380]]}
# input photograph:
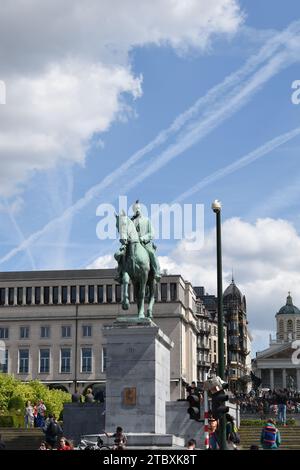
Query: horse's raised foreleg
{"points": [[152, 284], [125, 282]]}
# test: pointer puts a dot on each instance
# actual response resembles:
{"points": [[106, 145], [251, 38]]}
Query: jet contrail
{"points": [[221, 110], [19, 232], [240, 163], [227, 170], [213, 119]]}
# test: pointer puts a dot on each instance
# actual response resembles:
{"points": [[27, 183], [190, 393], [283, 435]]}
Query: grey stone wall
{"points": [[178, 422], [83, 418]]}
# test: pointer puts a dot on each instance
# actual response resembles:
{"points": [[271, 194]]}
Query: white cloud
{"points": [[103, 262], [264, 256], [108, 28], [66, 67], [51, 117]]}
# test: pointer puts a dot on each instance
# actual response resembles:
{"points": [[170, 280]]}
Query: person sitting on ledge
{"points": [[120, 438], [89, 398]]}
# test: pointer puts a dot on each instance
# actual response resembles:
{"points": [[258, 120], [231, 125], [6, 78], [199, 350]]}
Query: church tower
{"points": [[288, 322]]}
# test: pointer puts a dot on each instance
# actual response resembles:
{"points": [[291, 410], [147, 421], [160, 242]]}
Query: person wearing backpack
{"points": [[52, 430], [270, 436], [232, 435]]}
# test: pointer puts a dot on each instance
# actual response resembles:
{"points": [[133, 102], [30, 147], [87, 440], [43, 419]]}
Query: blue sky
{"points": [[149, 78]]}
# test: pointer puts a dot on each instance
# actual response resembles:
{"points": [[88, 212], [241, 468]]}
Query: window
{"points": [[24, 332], [37, 295], [73, 294], [45, 331], [298, 329], [173, 291], [28, 295], [3, 333], [86, 360], [20, 295], [2, 296], [82, 294], [215, 346], [44, 361], [87, 330], [100, 294], [118, 293], [55, 295], [4, 362], [64, 294], [65, 360], [163, 290], [109, 293], [23, 361], [46, 295], [66, 331], [10, 296], [91, 294], [104, 360]]}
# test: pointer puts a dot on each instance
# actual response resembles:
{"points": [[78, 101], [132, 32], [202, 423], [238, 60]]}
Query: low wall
{"points": [[83, 418], [89, 418], [180, 424]]}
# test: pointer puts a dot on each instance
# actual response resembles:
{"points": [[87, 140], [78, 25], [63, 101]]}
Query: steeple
{"points": [[289, 300]]}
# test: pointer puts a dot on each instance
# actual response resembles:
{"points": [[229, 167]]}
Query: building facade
{"points": [[207, 343], [237, 337], [279, 365], [51, 326]]}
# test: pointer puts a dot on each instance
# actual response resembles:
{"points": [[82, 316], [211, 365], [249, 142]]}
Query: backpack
{"points": [[234, 435], [269, 436]]}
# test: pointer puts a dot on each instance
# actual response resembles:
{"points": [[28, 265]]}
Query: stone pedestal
{"points": [[137, 377]]}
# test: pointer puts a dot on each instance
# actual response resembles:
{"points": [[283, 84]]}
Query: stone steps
{"points": [[22, 439], [290, 436]]}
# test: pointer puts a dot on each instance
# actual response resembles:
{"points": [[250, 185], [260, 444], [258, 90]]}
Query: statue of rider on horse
{"points": [[137, 259]]}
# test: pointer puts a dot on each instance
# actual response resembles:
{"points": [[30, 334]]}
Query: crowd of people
{"points": [[276, 403], [270, 405], [35, 417]]}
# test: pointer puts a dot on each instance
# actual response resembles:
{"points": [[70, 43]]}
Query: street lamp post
{"points": [[216, 207]]}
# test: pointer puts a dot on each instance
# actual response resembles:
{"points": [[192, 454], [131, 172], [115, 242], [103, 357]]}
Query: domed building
{"points": [[238, 338], [278, 366], [288, 321]]}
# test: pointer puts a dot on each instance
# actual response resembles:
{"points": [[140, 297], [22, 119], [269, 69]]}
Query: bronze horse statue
{"points": [[136, 266]]}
